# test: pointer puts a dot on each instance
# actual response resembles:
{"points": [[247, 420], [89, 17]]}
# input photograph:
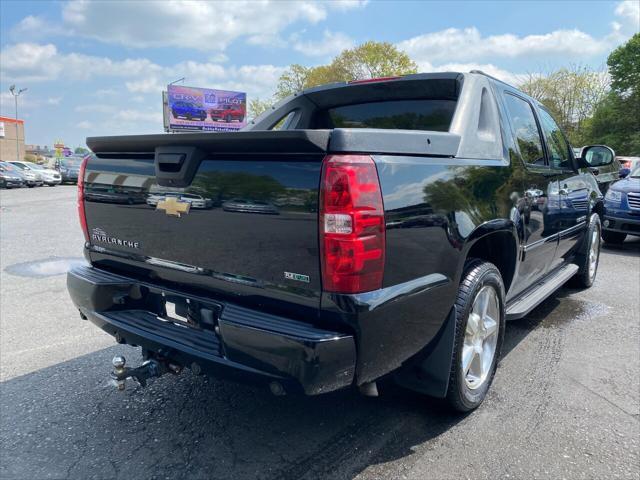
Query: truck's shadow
{"points": [[67, 421]]}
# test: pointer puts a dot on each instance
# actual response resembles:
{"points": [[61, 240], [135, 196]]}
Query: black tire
{"points": [[477, 274], [228, 118], [613, 237], [585, 278]]}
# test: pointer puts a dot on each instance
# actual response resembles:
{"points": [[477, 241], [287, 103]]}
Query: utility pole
{"points": [[15, 94]]}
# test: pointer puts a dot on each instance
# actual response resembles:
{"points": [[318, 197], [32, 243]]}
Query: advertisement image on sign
{"points": [[191, 108]]}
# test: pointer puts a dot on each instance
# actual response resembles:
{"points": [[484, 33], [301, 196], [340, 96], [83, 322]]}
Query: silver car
{"points": [[49, 177], [196, 201], [32, 177]]}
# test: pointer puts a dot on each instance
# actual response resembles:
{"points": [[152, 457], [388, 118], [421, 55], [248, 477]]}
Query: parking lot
{"points": [[565, 402]]}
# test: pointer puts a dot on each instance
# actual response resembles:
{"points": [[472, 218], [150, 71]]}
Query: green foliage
{"points": [[624, 67], [571, 95], [81, 150], [372, 60], [616, 121], [369, 60], [258, 106]]}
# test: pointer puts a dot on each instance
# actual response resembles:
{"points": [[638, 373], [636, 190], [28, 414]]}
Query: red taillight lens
{"points": [[81, 213], [352, 227]]}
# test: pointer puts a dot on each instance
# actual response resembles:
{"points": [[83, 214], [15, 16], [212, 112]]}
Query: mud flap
{"points": [[428, 372]]}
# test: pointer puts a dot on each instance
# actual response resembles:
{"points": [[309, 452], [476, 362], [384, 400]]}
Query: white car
{"points": [[49, 177], [196, 201], [629, 162]]}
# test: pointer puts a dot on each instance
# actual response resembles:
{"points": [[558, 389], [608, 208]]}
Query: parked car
{"points": [[49, 176], [10, 177], [196, 201], [227, 113], [188, 110], [69, 167], [325, 296], [629, 162], [622, 209], [32, 177], [604, 168], [242, 205]]}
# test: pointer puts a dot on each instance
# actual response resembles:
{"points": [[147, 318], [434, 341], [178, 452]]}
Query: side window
{"points": [[525, 130], [558, 146]]}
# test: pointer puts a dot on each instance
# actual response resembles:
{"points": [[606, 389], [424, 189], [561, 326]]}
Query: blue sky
{"points": [[98, 68]]}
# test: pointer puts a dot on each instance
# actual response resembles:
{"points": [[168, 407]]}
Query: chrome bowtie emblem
{"points": [[174, 207]]}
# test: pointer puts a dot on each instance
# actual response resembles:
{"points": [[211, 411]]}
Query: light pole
{"points": [[15, 94], [176, 81]]}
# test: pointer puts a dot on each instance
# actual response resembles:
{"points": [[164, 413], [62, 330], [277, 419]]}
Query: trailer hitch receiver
{"points": [[149, 369]]}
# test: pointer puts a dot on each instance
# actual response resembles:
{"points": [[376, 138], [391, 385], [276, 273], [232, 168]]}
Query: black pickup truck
{"points": [[355, 232]]}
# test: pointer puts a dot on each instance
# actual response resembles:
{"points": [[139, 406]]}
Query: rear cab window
{"points": [[418, 114]]}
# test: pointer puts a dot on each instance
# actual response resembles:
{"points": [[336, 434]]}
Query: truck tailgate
{"points": [[247, 221]]}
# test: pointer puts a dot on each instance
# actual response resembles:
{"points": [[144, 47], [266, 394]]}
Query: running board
{"points": [[522, 305]]}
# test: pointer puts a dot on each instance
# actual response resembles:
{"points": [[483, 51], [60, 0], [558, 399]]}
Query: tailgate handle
{"points": [[176, 166]]}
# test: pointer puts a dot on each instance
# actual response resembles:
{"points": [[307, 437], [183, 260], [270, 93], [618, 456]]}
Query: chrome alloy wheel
{"points": [[481, 337], [594, 252]]}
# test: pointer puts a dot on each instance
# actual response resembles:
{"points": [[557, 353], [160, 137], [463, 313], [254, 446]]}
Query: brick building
{"points": [[9, 129]]}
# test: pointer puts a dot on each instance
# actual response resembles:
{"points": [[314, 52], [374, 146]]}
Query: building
{"points": [[10, 128]]}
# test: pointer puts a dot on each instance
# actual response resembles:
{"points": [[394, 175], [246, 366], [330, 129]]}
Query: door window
{"points": [[525, 130], [556, 142]]}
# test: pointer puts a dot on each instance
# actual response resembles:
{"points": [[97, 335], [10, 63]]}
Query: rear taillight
{"points": [[81, 213], [352, 231]]}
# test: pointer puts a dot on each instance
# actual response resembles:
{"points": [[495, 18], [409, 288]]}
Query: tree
{"points": [[292, 80], [369, 60], [81, 150], [624, 67], [258, 106], [616, 121], [571, 94], [372, 60]]}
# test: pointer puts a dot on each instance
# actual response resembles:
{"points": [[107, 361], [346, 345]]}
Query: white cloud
{"points": [[85, 125], [31, 62], [54, 100], [488, 68], [131, 115], [331, 44], [206, 26], [629, 10], [466, 45]]}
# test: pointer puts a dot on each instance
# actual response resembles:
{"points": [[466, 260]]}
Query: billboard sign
{"points": [[204, 109]]}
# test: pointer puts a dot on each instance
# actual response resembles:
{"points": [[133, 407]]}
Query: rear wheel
{"points": [[589, 256], [480, 322], [613, 237]]}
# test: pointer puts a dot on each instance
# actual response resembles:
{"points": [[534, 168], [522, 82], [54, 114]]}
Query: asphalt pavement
{"points": [[565, 402]]}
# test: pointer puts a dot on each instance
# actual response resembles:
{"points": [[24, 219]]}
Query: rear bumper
{"points": [[623, 224], [246, 345]]}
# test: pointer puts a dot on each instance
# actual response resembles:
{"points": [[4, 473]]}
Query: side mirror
{"points": [[596, 156], [623, 172]]}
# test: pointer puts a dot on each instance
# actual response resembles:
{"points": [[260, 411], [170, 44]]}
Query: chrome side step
{"points": [[522, 305]]}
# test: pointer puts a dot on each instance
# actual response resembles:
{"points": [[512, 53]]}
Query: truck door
{"points": [[573, 190], [540, 215]]}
